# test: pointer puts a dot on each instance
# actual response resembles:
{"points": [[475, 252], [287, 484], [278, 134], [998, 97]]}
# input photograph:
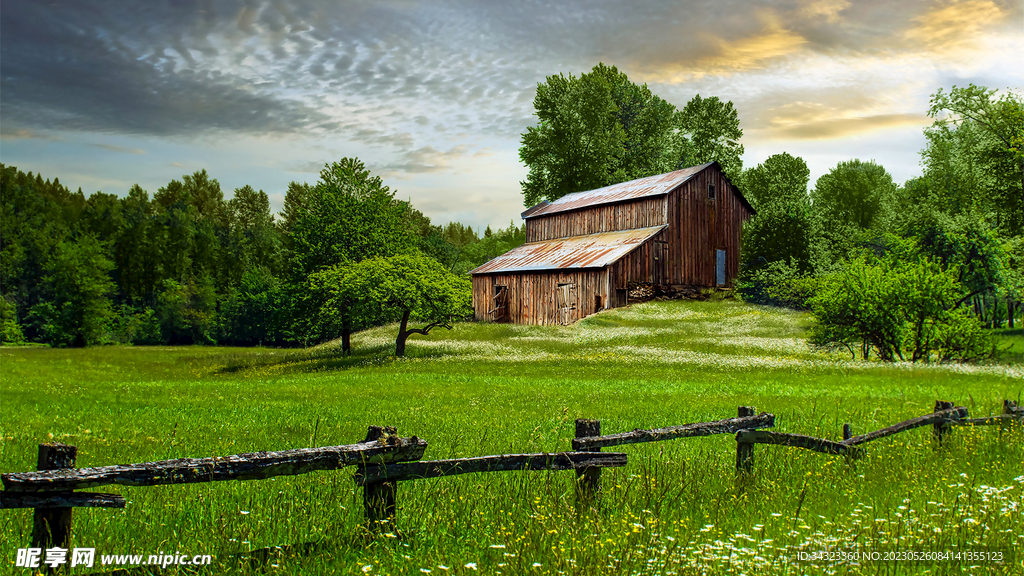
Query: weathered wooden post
{"points": [[51, 527], [847, 432], [588, 479], [940, 428], [745, 450], [379, 497]]}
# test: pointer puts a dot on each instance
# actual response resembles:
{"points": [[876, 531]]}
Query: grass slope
{"points": [[488, 389]]}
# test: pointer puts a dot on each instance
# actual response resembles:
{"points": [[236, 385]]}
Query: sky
{"points": [[433, 96]]}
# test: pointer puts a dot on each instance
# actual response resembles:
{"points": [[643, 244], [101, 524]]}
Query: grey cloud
{"points": [[119, 149]]}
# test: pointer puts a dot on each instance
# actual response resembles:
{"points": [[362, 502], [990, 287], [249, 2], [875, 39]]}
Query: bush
{"points": [[778, 284], [901, 305], [10, 330]]}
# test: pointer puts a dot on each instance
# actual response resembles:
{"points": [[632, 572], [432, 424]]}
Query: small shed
{"points": [[583, 251]]}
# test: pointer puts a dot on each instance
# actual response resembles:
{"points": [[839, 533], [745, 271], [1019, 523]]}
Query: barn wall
{"points": [[532, 296], [701, 225], [605, 218]]}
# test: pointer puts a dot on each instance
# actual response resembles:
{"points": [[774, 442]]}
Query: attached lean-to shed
{"points": [[672, 231]]}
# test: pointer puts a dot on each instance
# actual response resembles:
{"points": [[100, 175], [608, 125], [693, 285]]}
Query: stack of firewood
{"points": [[641, 291]]}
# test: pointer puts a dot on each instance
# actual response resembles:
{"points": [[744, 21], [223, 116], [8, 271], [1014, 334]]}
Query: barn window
{"points": [[711, 191]]}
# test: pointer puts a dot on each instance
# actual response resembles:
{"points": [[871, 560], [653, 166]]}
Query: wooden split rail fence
{"points": [[383, 459]]}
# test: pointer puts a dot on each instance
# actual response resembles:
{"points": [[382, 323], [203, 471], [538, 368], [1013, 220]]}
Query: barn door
{"points": [[659, 265], [566, 301], [720, 267], [500, 311]]}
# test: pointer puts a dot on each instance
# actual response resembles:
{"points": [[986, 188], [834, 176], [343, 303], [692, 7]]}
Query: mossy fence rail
{"points": [[383, 459]]}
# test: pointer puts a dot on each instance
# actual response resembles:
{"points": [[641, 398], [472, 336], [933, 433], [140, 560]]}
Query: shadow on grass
{"points": [[318, 359]]}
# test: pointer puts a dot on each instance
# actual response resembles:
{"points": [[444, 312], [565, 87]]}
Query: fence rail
{"points": [[383, 459]]}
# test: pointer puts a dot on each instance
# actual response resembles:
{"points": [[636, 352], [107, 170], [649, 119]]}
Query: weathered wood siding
{"points": [[605, 218], [700, 225], [533, 295]]}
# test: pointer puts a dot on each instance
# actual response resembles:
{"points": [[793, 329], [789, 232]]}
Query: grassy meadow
{"points": [[677, 508]]}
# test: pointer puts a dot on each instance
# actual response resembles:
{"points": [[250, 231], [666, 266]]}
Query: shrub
{"points": [[901, 305], [777, 283]]}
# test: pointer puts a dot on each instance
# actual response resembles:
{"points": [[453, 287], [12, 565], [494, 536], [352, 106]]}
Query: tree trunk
{"points": [[1009, 312], [403, 335]]}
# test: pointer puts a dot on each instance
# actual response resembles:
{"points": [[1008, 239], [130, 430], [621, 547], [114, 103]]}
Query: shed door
{"points": [[720, 267], [565, 297], [500, 310], [659, 252]]}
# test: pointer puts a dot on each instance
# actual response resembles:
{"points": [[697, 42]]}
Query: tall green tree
{"points": [[78, 281], [350, 215], [854, 195], [601, 128], [974, 159], [710, 131]]}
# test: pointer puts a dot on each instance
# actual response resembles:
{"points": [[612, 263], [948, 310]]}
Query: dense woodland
{"points": [[911, 271], [187, 266]]}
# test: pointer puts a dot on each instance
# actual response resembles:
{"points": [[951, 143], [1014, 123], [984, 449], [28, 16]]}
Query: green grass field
{"points": [[678, 508]]}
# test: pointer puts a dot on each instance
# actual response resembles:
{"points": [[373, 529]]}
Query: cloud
{"points": [[11, 133], [956, 26], [424, 159], [113, 148], [843, 127]]}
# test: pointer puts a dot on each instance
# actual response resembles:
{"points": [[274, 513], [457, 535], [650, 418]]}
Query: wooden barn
{"points": [[583, 251]]}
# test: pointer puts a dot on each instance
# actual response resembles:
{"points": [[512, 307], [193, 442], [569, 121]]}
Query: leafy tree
{"points": [[253, 312], [711, 129], [974, 158], [10, 330], [137, 250], [253, 239], [349, 215], [600, 129], [902, 305], [779, 241], [405, 287], [854, 195], [781, 178], [78, 279]]}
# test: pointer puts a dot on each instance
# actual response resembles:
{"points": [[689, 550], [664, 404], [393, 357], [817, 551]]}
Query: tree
{"points": [[601, 129], [975, 155], [403, 288], [349, 215], [901, 305], [854, 195], [78, 280], [780, 178], [779, 241], [711, 132]]}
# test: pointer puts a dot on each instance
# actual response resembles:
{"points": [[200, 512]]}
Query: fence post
{"points": [[379, 497], [51, 527], [939, 429], [745, 450], [847, 432], [588, 479]]}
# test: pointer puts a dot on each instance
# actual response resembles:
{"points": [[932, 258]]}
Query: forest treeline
{"points": [[187, 266], [911, 271]]}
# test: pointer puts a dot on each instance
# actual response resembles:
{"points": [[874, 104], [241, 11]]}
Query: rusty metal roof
{"points": [[632, 190], [589, 251]]}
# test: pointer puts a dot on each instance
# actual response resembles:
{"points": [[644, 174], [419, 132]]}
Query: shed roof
{"points": [[589, 251], [632, 190]]}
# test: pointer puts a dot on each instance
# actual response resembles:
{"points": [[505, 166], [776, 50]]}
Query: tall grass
{"points": [[488, 389]]}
